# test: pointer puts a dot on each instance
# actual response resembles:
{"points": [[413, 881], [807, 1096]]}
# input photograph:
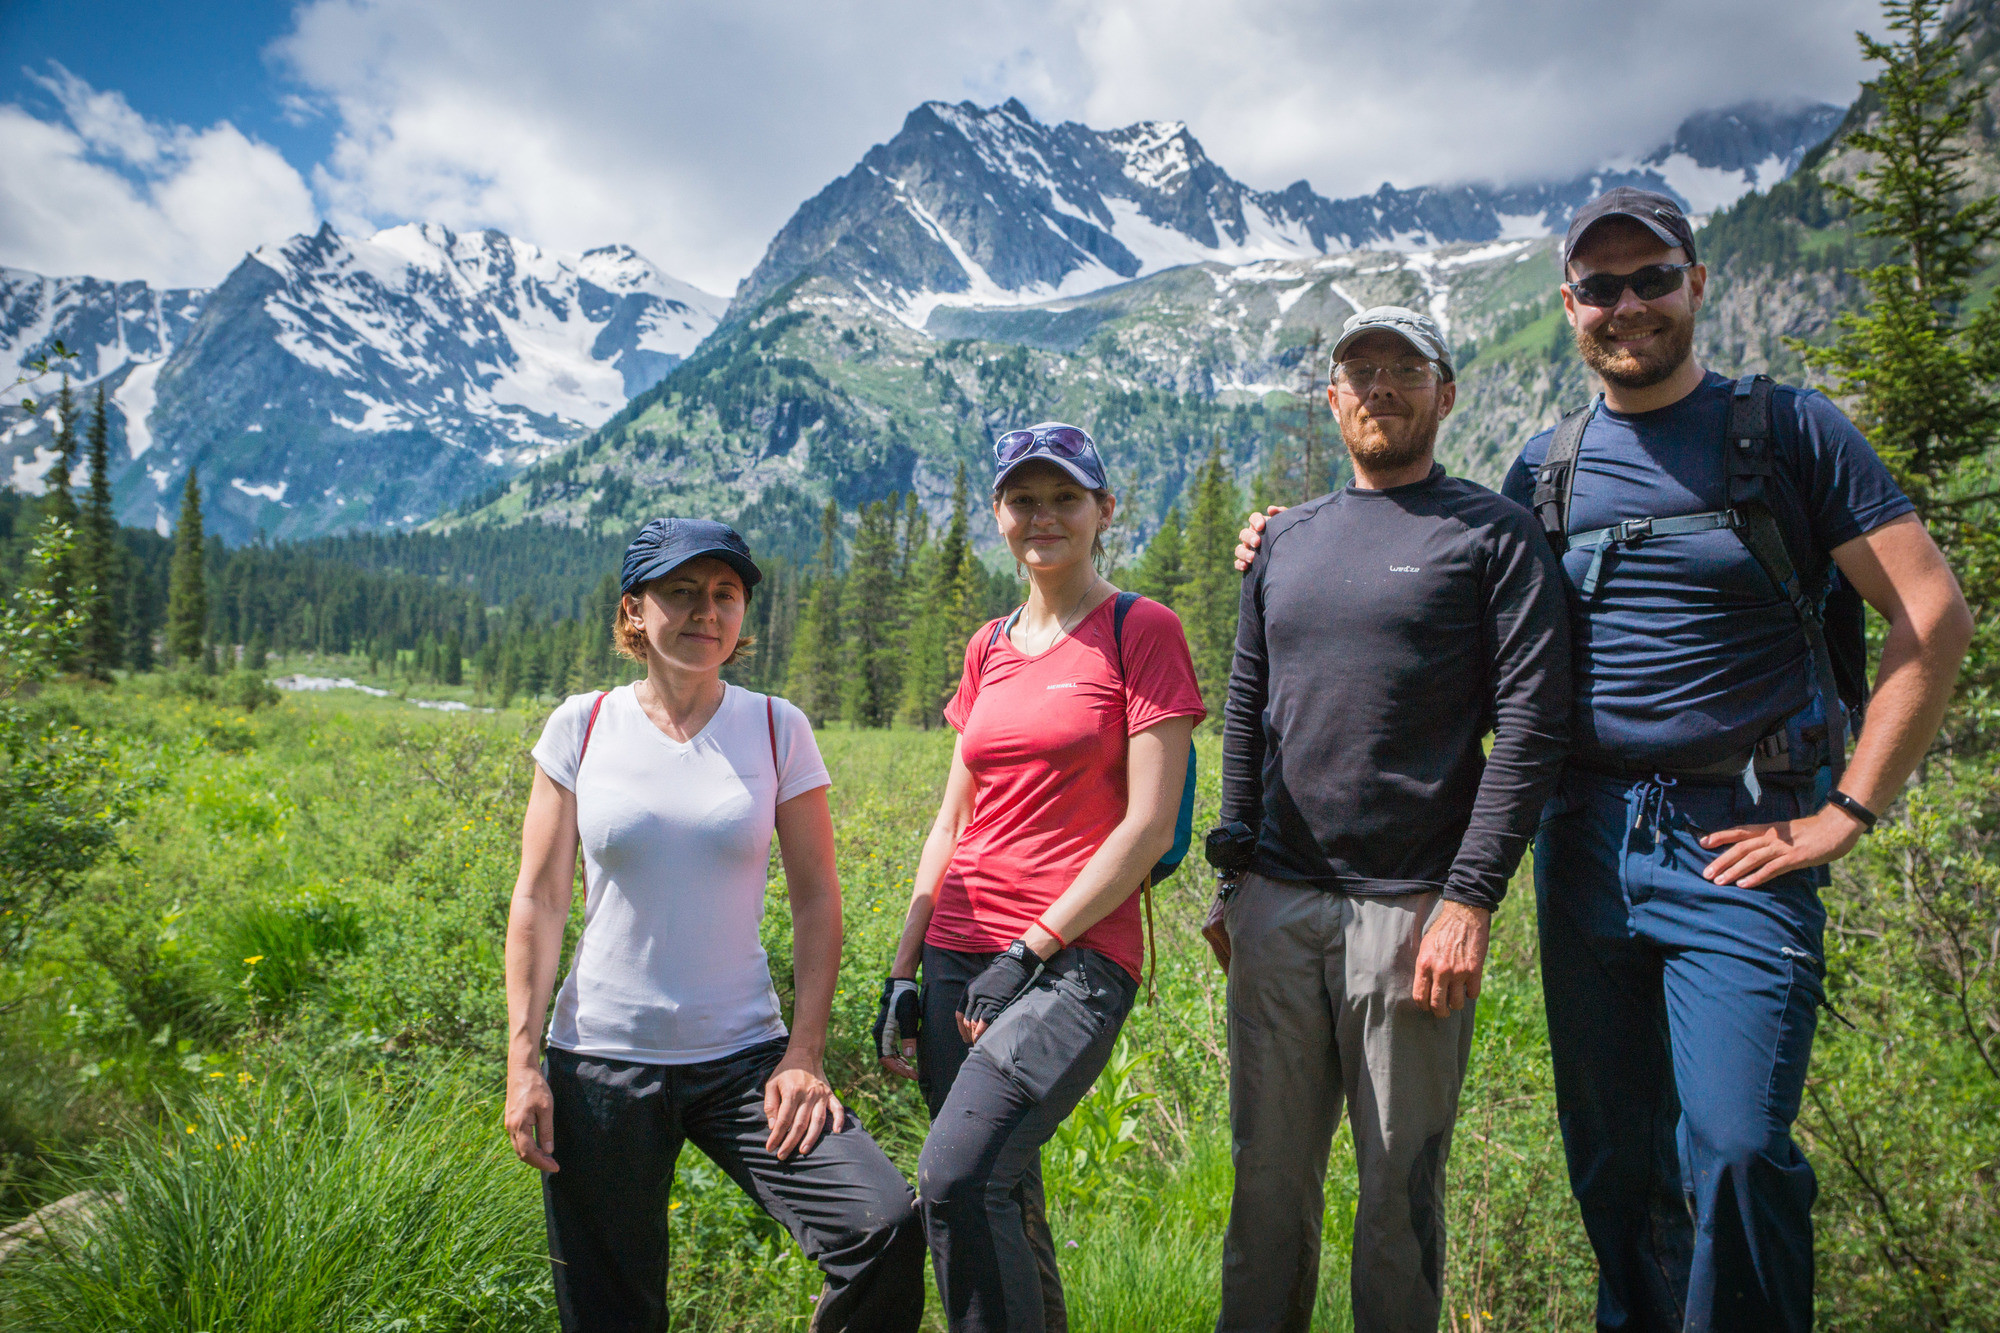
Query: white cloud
{"points": [[692, 131], [108, 193]]}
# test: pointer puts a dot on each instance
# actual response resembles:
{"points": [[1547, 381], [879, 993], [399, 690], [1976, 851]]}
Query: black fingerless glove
{"points": [[1004, 979], [899, 1018]]}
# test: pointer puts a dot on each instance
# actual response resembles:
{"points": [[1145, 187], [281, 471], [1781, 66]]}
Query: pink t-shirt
{"points": [[1044, 738]]}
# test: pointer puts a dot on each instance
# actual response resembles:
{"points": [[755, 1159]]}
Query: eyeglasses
{"points": [[1650, 283], [1063, 441], [1360, 375]]}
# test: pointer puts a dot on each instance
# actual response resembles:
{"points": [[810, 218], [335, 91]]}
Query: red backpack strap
{"points": [[595, 704], [771, 725]]}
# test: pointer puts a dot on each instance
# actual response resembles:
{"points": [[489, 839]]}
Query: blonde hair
{"points": [[629, 640]]}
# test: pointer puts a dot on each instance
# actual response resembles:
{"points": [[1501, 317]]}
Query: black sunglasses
{"points": [[1648, 284], [1065, 441]]}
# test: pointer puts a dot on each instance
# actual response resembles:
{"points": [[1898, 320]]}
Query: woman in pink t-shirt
{"points": [[1074, 716]]}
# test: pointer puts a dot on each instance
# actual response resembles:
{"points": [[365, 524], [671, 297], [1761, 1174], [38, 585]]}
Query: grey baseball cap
{"points": [[1655, 212], [1419, 331]]}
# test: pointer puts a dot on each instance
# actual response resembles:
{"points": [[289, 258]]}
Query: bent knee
{"points": [[1747, 1148]]}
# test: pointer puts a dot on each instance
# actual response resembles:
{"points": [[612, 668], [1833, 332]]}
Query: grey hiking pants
{"points": [[1320, 1012]]}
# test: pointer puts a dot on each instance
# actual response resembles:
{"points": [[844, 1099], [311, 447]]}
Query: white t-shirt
{"points": [[676, 853]]}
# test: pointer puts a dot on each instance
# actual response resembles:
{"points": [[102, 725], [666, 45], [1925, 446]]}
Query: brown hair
{"points": [[630, 641]]}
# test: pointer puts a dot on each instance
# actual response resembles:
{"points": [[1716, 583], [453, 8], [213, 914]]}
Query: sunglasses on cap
{"points": [[1650, 283], [1062, 441]]}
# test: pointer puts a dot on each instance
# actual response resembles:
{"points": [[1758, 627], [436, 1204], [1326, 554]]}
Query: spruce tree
{"points": [[187, 594], [935, 644], [1160, 571], [1208, 599], [97, 556], [874, 642], [1916, 366], [59, 577], [816, 677]]}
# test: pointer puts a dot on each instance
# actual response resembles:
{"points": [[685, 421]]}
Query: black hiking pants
{"points": [[619, 1127], [992, 1107]]}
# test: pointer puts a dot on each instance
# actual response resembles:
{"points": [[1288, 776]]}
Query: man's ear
{"points": [[1697, 287], [1447, 396]]}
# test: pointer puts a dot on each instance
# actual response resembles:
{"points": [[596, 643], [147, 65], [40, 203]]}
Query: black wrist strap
{"points": [[1862, 814]]}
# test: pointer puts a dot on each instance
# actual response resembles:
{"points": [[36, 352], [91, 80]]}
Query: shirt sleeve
{"points": [[558, 751], [800, 767], [1850, 492], [1243, 709], [1525, 622], [1158, 669], [1519, 485], [960, 707]]}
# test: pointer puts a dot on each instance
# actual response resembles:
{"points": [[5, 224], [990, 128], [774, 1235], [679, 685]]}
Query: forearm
{"points": [[535, 922], [1114, 873], [816, 936], [1912, 690], [1521, 773], [1243, 721], [931, 865]]}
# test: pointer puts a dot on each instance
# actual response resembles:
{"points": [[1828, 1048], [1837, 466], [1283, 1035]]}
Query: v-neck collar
{"points": [[1060, 639], [680, 747]]}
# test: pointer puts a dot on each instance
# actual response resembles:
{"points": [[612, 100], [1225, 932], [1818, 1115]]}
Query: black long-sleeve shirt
{"points": [[1382, 635]]}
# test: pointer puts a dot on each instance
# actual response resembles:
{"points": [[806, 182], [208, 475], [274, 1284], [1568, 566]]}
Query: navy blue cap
{"points": [[1068, 447], [1655, 212], [666, 544]]}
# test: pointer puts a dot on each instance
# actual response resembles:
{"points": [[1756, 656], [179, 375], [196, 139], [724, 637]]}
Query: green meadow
{"points": [[263, 1044]]}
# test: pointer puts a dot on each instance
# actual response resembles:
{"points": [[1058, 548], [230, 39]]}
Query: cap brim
{"points": [[659, 568], [1068, 465]]}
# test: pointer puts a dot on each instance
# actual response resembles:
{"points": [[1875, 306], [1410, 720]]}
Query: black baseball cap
{"points": [[1068, 447], [666, 544], [1656, 212]]}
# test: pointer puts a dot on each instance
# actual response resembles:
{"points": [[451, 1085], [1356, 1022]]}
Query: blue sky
{"points": [[194, 63], [161, 141]]}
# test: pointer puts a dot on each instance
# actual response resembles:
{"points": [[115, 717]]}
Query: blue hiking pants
{"points": [[1681, 1017]]}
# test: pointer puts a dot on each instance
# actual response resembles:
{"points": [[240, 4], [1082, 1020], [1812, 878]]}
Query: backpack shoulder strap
{"points": [[1748, 460], [1556, 478], [1000, 626], [589, 726], [1126, 601]]}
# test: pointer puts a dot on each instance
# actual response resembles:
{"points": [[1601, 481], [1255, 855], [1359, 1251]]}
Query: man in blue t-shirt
{"points": [[1678, 874]]}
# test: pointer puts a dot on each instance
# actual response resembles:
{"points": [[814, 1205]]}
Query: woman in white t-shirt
{"points": [[667, 1028]]}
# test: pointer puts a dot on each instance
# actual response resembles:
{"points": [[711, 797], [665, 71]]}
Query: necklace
{"points": [[1064, 624]]}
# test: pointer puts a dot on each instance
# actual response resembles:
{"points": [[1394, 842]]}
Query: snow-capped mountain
{"points": [[988, 206], [105, 323], [332, 381]]}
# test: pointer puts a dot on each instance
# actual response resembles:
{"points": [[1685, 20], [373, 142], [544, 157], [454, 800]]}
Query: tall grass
{"points": [[275, 1206]]}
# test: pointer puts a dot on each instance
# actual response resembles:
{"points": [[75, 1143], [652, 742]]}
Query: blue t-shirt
{"points": [[1686, 653]]}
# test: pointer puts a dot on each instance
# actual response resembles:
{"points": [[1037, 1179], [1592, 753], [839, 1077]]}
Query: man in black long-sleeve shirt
{"points": [[1385, 629]]}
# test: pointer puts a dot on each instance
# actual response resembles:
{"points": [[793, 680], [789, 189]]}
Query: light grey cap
{"points": [[1419, 331]]}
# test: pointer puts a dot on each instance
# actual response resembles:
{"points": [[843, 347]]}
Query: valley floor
{"points": [[269, 1041]]}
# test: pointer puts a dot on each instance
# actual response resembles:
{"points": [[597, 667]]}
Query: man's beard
{"points": [[1372, 447], [1633, 370]]}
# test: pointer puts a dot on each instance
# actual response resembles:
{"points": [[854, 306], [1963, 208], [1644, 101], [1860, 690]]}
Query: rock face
{"points": [[971, 206], [331, 382]]}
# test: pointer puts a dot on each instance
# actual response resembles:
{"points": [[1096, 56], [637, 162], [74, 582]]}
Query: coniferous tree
{"points": [[1921, 373], [934, 657], [818, 653], [1208, 599], [59, 506], [187, 592], [97, 556], [1160, 571], [874, 640]]}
